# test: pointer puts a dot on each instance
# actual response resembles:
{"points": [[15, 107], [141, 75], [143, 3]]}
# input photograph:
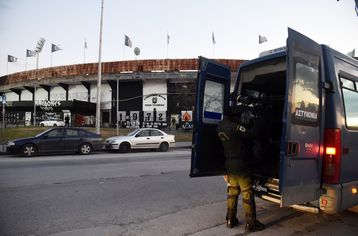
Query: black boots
{"points": [[253, 225]]}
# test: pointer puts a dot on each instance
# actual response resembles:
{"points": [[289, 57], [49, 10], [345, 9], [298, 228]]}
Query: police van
{"points": [[310, 92]]}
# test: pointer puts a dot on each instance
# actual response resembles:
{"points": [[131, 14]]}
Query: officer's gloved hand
{"points": [[246, 119]]}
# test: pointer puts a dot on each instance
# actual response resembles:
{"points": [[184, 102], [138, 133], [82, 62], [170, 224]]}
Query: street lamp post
{"points": [[39, 46], [117, 105], [3, 102], [34, 115]]}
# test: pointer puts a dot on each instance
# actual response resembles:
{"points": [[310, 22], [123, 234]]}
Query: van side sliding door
{"points": [[300, 159], [212, 96]]}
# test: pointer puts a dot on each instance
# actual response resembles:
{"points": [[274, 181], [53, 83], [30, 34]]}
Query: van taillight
{"points": [[332, 156]]}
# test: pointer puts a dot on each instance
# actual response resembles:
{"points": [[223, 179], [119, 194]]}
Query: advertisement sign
{"points": [[3, 99], [157, 101], [154, 95], [186, 116]]}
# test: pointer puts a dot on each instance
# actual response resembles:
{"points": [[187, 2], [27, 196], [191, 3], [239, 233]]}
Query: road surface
{"points": [[139, 193]]}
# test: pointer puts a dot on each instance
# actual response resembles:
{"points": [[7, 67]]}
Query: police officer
{"points": [[236, 137]]}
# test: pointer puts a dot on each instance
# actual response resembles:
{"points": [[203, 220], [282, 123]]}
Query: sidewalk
{"points": [[177, 145], [183, 145]]}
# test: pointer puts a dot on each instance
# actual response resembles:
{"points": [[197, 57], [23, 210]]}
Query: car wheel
{"points": [[124, 147], [42, 124], [164, 147], [54, 125], [29, 150], [85, 149]]}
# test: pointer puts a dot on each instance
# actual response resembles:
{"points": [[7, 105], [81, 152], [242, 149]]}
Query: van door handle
{"points": [[292, 148]]}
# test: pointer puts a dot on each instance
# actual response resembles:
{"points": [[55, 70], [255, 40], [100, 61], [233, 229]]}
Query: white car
{"points": [[53, 123], [144, 138]]}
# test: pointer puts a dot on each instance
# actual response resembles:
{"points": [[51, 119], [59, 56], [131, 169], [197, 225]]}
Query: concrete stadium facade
{"points": [[151, 93]]}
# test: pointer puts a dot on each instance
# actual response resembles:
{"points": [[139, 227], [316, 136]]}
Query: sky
{"points": [[190, 24]]}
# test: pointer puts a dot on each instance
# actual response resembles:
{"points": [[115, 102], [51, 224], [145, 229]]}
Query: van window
{"points": [[213, 104], [350, 99], [305, 95]]}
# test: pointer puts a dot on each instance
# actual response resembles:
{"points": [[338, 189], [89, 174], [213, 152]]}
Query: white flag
{"points": [[262, 39], [127, 41], [352, 53], [11, 58], [55, 48], [30, 53]]}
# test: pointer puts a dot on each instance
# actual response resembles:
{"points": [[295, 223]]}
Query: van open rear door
{"points": [[300, 159], [212, 95]]}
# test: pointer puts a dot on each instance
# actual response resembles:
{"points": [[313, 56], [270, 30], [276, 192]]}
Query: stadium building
{"points": [[150, 93]]}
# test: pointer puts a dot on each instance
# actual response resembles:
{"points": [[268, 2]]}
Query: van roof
{"points": [[283, 53], [264, 58], [328, 50]]}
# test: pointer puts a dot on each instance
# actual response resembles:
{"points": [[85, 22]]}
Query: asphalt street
{"points": [[139, 193]]}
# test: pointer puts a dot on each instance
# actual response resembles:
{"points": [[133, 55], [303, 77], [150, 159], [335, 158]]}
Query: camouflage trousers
{"points": [[240, 184]]}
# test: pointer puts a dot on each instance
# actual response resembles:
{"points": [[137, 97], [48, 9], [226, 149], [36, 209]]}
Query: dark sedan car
{"points": [[57, 140]]}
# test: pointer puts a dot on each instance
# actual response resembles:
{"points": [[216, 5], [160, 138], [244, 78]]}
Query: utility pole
{"points": [[98, 106], [3, 102], [117, 106]]}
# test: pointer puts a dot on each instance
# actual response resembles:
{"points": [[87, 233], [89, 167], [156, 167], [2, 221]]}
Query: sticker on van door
{"points": [[305, 94], [213, 104], [306, 115]]}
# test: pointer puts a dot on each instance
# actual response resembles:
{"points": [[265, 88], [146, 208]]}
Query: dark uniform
{"points": [[237, 141], [67, 121]]}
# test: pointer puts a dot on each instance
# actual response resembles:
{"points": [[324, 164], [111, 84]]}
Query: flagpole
{"points": [[167, 51], [84, 52], [167, 45], [124, 48], [26, 63], [258, 47], [214, 42], [98, 105], [213, 50]]}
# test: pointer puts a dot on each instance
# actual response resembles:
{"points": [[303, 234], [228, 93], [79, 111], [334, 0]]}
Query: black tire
{"points": [[85, 149], [124, 147], [42, 124], [29, 150], [54, 125], [164, 147]]}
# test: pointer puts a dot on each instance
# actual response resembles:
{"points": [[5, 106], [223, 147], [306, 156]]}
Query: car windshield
{"points": [[133, 132], [38, 135]]}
